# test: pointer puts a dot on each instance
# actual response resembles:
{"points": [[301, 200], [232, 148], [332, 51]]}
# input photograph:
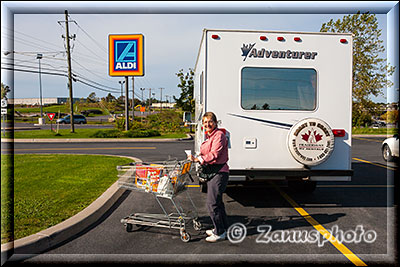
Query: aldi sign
{"points": [[126, 54]]}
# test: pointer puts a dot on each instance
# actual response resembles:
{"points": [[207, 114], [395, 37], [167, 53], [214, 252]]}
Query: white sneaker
{"points": [[210, 232], [215, 238]]}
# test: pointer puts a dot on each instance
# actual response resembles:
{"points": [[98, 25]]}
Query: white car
{"points": [[390, 148]]}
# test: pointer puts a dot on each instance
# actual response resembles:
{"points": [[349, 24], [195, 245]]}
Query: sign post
{"points": [[126, 58], [51, 117]]}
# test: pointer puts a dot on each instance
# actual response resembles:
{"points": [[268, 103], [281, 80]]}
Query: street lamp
{"points": [[39, 57], [142, 89], [121, 83]]}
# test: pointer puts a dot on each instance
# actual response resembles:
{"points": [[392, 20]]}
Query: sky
{"points": [[171, 38]]}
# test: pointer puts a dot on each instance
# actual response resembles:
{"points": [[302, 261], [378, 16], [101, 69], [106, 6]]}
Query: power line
{"points": [[102, 48], [31, 67], [88, 70], [31, 71], [61, 74], [15, 31]]}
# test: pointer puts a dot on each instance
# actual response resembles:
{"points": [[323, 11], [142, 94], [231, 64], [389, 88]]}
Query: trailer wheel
{"points": [[302, 186]]}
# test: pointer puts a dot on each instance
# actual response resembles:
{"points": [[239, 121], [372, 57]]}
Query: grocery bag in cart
{"points": [[165, 180]]}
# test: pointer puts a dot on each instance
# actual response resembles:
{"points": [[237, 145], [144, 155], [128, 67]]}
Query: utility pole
{"points": [[40, 56], [69, 74], [150, 100], [126, 104], [161, 97]]}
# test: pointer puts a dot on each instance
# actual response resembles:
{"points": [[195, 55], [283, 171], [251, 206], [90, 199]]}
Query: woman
{"points": [[214, 150]]}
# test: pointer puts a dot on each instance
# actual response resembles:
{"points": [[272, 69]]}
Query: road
{"points": [[361, 211]]}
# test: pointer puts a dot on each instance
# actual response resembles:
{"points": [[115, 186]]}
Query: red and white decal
{"points": [[311, 141]]}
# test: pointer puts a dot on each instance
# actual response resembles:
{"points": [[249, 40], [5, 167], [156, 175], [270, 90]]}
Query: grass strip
{"points": [[79, 133], [49, 189], [387, 131]]}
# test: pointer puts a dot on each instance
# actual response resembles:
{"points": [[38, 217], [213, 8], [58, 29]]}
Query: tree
{"points": [[186, 100], [391, 116], [92, 98], [369, 69], [110, 98], [4, 90]]}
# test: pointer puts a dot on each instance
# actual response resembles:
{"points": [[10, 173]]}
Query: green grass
{"points": [[6, 197], [52, 108], [57, 108], [388, 131], [49, 189], [66, 134]]}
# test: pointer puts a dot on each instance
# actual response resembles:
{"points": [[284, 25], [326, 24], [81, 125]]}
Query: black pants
{"points": [[216, 208]]}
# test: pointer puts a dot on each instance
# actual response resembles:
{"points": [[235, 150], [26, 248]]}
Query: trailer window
{"points": [[278, 89]]}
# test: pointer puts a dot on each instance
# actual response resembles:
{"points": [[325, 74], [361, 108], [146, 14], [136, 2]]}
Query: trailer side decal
{"points": [[274, 123]]}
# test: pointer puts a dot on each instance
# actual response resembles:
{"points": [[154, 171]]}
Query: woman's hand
{"points": [[191, 158]]}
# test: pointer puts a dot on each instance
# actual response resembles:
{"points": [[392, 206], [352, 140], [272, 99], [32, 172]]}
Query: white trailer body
{"points": [[285, 99]]}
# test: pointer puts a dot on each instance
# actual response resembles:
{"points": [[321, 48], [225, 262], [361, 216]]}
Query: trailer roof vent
{"points": [[263, 38], [280, 38], [215, 36], [297, 39]]}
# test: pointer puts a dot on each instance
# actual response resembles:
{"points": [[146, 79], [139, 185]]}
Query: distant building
{"points": [[164, 105], [36, 101]]}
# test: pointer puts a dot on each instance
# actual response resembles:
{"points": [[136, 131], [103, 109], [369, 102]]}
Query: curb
{"points": [[94, 140], [48, 238]]}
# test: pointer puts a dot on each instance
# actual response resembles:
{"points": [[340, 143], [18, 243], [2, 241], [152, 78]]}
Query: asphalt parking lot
{"points": [[360, 213]]}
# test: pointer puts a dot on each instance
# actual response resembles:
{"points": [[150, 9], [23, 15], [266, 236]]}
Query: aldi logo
{"points": [[126, 55]]}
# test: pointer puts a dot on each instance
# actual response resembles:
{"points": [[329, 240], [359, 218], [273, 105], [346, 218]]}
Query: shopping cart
{"points": [[163, 180]]}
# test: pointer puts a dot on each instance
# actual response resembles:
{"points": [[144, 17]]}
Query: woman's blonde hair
{"points": [[211, 116]]}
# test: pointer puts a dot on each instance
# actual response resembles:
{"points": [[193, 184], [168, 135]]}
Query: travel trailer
{"points": [[284, 99]]}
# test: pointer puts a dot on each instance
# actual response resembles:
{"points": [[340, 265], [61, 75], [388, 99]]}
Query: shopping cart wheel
{"points": [[196, 225], [185, 237], [128, 227]]}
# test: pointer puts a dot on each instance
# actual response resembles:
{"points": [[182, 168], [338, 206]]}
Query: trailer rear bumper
{"points": [[290, 174], [302, 180]]}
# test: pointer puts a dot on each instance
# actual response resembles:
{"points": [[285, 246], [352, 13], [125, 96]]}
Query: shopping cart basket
{"points": [[163, 180]]}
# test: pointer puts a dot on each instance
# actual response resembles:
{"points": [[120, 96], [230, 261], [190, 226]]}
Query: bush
{"points": [[129, 134], [107, 134], [141, 133], [167, 121]]}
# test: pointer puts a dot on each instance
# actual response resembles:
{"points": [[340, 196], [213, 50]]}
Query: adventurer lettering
{"points": [[249, 51]]}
